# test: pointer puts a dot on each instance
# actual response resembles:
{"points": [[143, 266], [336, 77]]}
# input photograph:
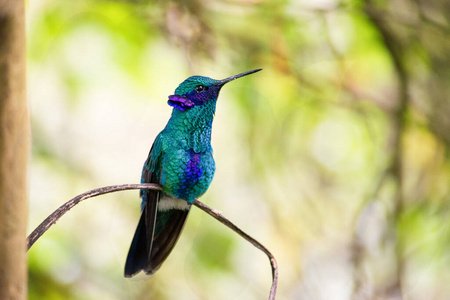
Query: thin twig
{"points": [[54, 217], [57, 214], [273, 263]]}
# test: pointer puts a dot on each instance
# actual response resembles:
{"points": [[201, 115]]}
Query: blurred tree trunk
{"points": [[14, 138]]}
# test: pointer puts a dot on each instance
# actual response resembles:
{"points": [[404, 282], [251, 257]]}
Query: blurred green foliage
{"points": [[336, 156]]}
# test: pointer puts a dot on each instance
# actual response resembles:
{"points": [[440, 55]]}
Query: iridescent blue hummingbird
{"points": [[181, 161]]}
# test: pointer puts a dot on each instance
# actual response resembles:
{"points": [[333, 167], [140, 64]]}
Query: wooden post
{"points": [[14, 151]]}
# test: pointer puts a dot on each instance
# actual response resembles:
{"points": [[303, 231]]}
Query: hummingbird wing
{"points": [[157, 231], [139, 254]]}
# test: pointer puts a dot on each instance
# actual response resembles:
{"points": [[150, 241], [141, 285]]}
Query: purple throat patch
{"points": [[179, 102]]}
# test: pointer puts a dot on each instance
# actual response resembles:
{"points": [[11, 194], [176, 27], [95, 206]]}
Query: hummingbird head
{"points": [[199, 90]]}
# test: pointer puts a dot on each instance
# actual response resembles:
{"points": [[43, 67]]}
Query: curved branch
{"points": [[273, 263], [57, 214]]}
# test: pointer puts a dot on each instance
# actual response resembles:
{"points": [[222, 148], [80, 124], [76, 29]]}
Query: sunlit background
{"points": [[335, 156]]}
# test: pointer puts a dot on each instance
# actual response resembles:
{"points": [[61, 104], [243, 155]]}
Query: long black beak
{"points": [[226, 80]]}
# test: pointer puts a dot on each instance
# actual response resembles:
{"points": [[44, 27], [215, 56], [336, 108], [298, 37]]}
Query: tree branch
{"points": [[57, 214], [219, 217]]}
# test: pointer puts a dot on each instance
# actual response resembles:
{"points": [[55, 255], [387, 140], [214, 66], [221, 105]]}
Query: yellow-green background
{"points": [[335, 156]]}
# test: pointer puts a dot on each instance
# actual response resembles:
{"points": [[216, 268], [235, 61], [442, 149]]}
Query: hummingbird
{"points": [[181, 161]]}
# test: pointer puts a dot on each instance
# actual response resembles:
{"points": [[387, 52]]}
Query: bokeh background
{"points": [[335, 156]]}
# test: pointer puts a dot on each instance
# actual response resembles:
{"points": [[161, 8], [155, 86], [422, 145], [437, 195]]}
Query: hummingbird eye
{"points": [[200, 88]]}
